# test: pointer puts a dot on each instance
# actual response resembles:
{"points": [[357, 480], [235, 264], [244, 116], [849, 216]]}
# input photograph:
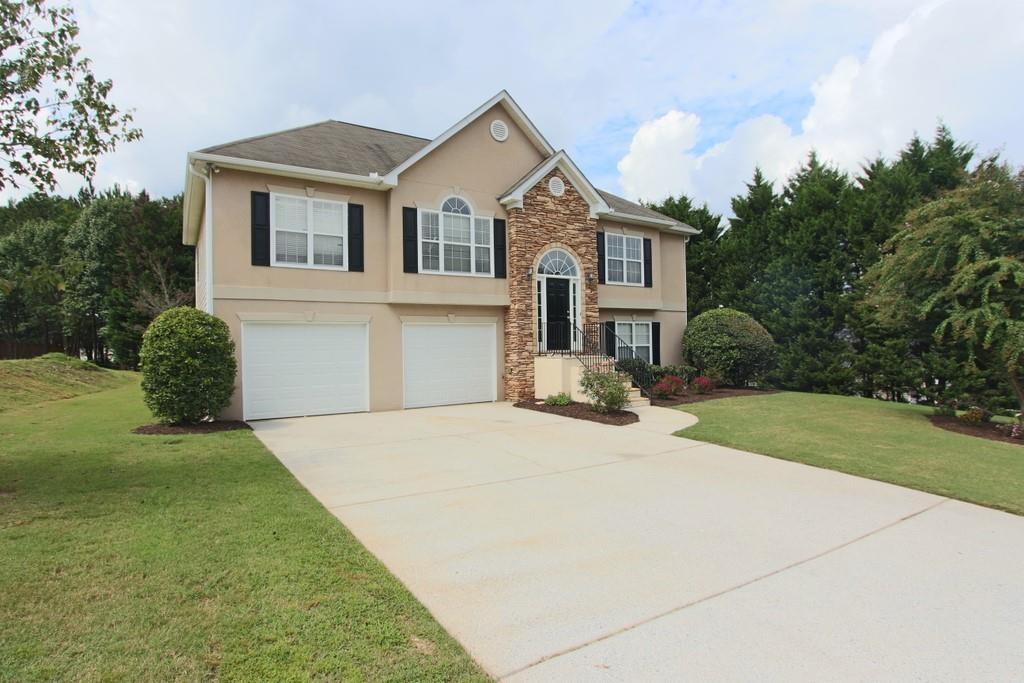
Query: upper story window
{"points": [[454, 241], [308, 233], [624, 259]]}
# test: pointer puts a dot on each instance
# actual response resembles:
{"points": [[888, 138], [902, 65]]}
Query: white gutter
{"points": [[207, 236], [373, 181], [665, 224]]}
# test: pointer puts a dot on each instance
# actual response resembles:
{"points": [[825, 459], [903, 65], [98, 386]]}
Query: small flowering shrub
{"points": [[668, 386], [607, 391], [975, 415], [703, 385], [561, 399]]}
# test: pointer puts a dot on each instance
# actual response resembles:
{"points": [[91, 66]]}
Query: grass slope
{"points": [[892, 442], [49, 377], [187, 557]]}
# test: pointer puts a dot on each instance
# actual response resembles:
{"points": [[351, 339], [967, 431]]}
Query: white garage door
{"points": [[449, 363], [292, 369]]}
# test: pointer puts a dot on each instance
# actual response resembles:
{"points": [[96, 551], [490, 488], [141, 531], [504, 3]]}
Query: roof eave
{"points": [[666, 224], [372, 181]]}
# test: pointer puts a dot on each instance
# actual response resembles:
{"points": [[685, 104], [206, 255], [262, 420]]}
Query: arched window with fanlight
{"points": [[455, 241], [557, 262]]}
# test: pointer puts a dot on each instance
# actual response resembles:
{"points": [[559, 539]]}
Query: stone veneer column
{"points": [[545, 221]]}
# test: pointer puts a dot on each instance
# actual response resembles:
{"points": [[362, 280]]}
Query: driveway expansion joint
{"points": [[725, 591]]}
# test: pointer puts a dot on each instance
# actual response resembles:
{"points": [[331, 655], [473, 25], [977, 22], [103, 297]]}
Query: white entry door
{"points": [[449, 363], [294, 369]]}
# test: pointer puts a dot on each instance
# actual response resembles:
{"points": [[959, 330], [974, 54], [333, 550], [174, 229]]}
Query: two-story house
{"points": [[360, 269]]}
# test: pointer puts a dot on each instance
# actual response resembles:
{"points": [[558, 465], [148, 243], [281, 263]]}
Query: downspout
{"points": [[207, 233]]}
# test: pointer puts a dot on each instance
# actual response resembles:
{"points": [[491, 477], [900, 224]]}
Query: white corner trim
{"points": [[308, 193], [507, 103], [514, 197]]}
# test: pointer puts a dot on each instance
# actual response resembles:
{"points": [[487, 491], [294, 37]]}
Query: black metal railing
{"points": [[597, 347]]}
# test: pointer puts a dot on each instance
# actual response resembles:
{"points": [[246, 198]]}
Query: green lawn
{"points": [[53, 376], [126, 557], [892, 442]]}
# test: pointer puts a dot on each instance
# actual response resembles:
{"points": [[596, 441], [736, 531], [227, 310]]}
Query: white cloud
{"points": [[958, 61]]}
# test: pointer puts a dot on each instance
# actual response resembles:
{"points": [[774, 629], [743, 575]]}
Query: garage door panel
{"points": [[304, 369], [448, 364]]}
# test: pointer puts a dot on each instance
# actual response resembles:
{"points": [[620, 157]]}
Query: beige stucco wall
{"points": [[232, 227], [668, 288], [672, 325], [474, 166], [385, 338]]}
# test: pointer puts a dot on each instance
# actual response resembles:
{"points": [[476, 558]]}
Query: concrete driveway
{"points": [[556, 549]]}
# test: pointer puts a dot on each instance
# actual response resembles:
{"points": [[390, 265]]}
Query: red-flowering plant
{"points": [[703, 385], [668, 386]]}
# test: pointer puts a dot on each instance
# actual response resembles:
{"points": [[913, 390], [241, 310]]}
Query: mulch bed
{"points": [[694, 397], [985, 430], [582, 411], [201, 428]]}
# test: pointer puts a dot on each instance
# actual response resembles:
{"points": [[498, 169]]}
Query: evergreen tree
{"points": [[702, 258]]}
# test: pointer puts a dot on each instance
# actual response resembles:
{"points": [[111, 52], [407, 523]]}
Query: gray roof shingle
{"points": [[327, 146], [350, 148]]}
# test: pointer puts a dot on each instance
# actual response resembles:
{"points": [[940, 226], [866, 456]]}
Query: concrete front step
{"points": [[637, 399]]}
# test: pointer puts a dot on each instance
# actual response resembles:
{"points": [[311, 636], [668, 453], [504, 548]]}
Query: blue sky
{"points": [[649, 98]]}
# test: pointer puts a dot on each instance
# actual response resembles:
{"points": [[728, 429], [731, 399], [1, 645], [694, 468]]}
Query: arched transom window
{"points": [[455, 241], [557, 262]]}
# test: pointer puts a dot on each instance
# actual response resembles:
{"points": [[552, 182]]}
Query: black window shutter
{"points": [[609, 337], [355, 237], [410, 262], [600, 258], [260, 234], [656, 343], [648, 264], [499, 248]]}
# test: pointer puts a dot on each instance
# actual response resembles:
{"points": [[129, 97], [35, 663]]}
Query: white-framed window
{"points": [[624, 259], [635, 337], [454, 241], [306, 232]]}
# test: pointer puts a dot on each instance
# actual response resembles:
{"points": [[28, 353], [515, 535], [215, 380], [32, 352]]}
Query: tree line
{"points": [[816, 263], [86, 274]]}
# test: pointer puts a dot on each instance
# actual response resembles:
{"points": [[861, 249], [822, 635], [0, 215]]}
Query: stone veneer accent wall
{"points": [[544, 221]]}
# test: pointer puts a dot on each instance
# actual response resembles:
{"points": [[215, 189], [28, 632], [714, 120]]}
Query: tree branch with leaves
{"points": [[959, 260], [54, 112]]}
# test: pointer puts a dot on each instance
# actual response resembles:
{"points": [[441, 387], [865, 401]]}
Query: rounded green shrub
{"points": [[729, 344], [188, 366]]}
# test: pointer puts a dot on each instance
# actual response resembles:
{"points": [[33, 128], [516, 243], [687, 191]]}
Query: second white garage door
{"points": [[449, 363], [294, 369]]}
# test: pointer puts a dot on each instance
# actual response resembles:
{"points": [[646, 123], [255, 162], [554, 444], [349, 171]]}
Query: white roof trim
{"points": [[662, 223], [513, 199], [502, 98], [191, 217]]}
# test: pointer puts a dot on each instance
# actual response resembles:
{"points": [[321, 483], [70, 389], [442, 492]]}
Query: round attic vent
{"points": [[556, 186], [499, 130]]}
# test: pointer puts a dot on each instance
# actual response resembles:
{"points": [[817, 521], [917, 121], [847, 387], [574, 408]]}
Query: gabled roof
{"points": [[510, 107], [602, 204], [327, 146], [513, 197], [348, 153]]}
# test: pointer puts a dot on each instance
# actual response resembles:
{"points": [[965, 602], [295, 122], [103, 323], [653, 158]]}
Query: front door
{"points": [[559, 332]]}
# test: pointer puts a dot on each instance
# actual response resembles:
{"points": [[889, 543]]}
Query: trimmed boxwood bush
{"points": [[188, 366], [728, 344]]}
